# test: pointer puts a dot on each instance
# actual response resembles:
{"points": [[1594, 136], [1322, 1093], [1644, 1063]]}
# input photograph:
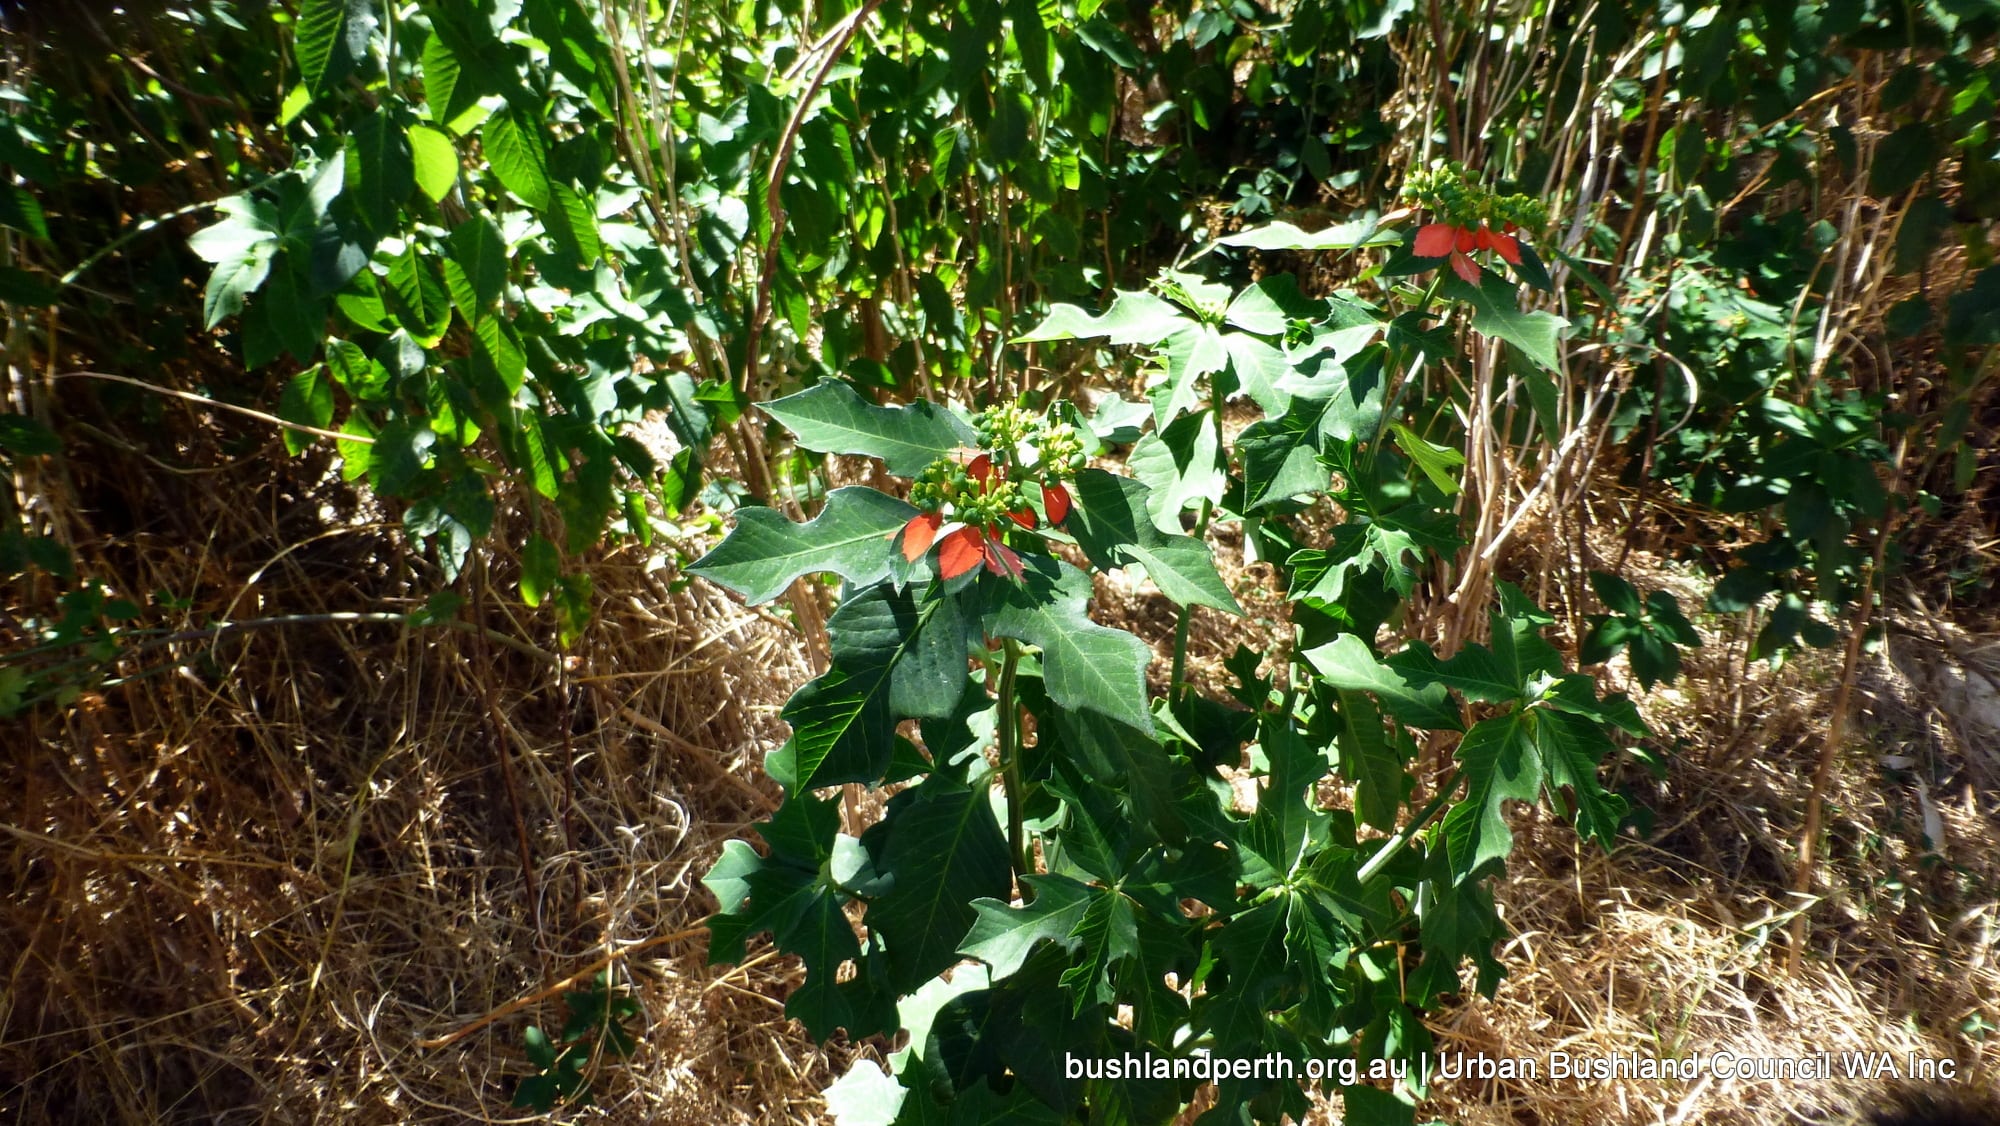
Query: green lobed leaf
{"points": [[1111, 524], [1341, 236], [1251, 947], [1181, 467], [1457, 922], [1572, 747], [1191, 352], [865, 1096], [1345, 662], [1369, 761], [1107, 932], [1084, 664], [1281, 456], [766, 552], [1135, 317], [941, 846], [1439, 463], [891, 660], [1496, 313], [831, 417], [1259, 369], [1003, 935], [1500, 762]]}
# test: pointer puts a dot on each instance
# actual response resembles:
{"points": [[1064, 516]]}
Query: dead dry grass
{"points": [[277, 876], [272, 877]]}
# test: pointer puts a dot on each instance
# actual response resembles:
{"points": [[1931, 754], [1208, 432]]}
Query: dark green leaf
{"points": [[1496, 313], [831, 417], [1500, 763], [1084, 664], [942, 848], [516, 151], [1901, 159], [1110, 523], [1345, 662], [308, 400], [476, 272], [765, 551], [573, 224], [330, 37], [380, 171], [1003, 935]]}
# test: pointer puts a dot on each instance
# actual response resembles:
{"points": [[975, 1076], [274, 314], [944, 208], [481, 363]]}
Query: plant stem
{"points": [[1396, 844], [1177, 678], [1010, 759]]}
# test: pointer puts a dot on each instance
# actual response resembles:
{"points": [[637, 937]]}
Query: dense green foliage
{"points": [[465, 249]]}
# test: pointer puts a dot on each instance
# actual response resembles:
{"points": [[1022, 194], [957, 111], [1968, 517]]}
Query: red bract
{"points": [[1056, 502], [1024, 517], [1506, 246], [1435, 240], [960, 552], [1001, 560], [1440, 240], [919, 533]]}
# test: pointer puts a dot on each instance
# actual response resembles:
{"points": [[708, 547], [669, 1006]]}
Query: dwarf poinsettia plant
{"points": [[1067, 873], [968, 507], [1467, 219]]}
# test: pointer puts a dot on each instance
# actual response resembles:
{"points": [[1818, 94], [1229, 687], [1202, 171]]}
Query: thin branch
{"points": [[208, 402]]}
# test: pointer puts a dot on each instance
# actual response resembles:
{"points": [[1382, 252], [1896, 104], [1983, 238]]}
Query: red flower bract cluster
{"points": [[964, 544], [1436, 240]]}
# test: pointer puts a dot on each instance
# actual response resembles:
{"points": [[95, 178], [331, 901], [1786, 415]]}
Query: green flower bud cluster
{"points": [[1062, 451], [1057, 448], [940, 481], [988, 506], [1455, 196], [1003, 428]]}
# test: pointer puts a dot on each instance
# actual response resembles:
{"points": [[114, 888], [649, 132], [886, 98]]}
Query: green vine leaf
{"points": [[766, 552]]}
